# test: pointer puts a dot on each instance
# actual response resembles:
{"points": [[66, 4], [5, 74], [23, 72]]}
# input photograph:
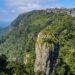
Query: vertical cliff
{"points": [[47, 50]]}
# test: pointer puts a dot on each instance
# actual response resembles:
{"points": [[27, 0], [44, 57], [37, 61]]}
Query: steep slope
{"points": [[19, 44], [57, 59], [24, 32]]}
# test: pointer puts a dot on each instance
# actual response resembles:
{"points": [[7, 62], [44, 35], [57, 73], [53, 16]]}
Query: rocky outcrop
{"points": [[47, 50], [62, 11]]}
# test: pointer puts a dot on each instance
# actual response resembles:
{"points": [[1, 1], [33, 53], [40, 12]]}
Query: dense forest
{"points": [[17, 47]]}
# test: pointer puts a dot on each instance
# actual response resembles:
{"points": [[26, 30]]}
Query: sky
{"points": [[10, 9]]}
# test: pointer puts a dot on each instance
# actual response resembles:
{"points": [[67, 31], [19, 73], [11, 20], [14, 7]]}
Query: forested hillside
{"points": [[54, 32]]}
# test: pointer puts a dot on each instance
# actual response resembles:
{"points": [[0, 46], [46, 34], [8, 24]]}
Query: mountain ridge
{"points": [[58, 29]]}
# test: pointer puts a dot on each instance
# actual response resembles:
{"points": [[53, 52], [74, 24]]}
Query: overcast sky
{"points": [[10, 9]]}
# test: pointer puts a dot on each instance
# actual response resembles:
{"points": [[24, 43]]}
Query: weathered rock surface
{"points": [[46, 53], [62, 10]]}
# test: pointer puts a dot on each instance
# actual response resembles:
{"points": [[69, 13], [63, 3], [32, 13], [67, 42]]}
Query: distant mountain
{"points": [[3, 30], [4, 27], [4, 24]]}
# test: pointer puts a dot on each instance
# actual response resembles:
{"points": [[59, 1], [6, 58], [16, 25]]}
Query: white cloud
{"points": [[7, 15], [15, 7], [26, 5]]}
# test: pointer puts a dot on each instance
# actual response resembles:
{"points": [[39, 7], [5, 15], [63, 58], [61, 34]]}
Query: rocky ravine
{"points": [[47, 51]]}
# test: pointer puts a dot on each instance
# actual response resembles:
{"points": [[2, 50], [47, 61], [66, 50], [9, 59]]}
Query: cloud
{"points": [[7, 15], [25, 2], [14, 7], [26, 5]]}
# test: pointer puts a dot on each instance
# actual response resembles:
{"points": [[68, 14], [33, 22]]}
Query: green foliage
{"points": [[11, 68], [62, 68], [22, 37], [4, 70]]}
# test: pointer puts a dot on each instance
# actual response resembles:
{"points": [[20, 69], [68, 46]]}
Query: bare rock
{"points": [[46, 53]]}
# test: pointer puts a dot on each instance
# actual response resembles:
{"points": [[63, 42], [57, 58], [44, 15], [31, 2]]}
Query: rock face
{"points": [[46, 53], [62, 11]]}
